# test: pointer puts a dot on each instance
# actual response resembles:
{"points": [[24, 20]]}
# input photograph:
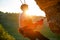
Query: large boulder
{"points": [[52, 10]]}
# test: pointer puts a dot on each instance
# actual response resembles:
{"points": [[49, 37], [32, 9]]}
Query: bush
{"points": [[4, 35]]}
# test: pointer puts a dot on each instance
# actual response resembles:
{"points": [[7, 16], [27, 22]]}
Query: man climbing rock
{"points": [[27, 27]]}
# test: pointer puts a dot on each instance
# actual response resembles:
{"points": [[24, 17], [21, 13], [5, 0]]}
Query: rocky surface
{"points": [[52, 10]]}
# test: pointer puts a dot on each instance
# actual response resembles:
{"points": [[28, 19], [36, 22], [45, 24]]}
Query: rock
{"points": [[52, 10]]}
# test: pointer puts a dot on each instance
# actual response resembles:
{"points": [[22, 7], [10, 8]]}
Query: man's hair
{"points": [[24, 7]]}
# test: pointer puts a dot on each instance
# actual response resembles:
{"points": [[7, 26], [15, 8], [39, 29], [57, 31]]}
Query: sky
{"points": [[14, 6]]}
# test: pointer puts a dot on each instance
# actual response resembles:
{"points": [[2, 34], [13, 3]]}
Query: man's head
{"points": [[24, 7]]}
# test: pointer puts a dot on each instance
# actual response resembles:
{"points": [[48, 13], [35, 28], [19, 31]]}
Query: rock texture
{"points": [[52, 10]]}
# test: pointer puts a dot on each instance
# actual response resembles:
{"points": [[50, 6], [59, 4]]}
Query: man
{"points": [[27, 27]]}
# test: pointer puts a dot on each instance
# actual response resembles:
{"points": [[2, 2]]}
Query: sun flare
{"points": [[14, 6], [33, 9], [35, 13]]}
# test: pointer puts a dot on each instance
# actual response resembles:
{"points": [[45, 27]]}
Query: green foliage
{"points": [[10, 24], [4, 35]]}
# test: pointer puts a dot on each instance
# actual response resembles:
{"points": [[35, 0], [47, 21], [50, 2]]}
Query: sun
{"points": [[33, 9], [14, 6], [35, 13]]}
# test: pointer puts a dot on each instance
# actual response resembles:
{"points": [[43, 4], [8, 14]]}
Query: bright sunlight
{"points": [[14, 6], [34, 9]]}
